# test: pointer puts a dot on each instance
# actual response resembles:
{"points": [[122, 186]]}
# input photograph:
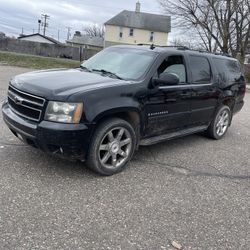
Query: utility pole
{"points": [[45, 24], [58, 35], [39, 25], [68, 34]]}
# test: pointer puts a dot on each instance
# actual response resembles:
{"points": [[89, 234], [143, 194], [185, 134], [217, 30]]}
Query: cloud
{"points": [[18, 14]]}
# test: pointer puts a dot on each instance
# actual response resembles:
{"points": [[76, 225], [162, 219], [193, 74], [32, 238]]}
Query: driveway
{"points": [[193, 190]]}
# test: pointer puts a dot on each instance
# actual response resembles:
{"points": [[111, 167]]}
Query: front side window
{"points": [[200, 69], [174, 65], [129, 64], [131, 32]]}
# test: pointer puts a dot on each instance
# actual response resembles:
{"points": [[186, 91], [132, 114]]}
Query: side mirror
{"points": [[166, 79]]}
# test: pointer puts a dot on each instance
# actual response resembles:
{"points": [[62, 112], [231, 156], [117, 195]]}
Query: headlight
{"points": [[64, 112]]}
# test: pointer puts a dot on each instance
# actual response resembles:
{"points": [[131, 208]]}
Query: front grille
{"points": [[26, 105]]}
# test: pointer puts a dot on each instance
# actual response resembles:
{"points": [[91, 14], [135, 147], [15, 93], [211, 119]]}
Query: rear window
{"points": [[200, 69], [229, 71]]}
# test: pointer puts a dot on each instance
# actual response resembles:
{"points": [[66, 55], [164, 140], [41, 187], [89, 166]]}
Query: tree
{"points": [[95, 30], [184, 41], [220, 24]]}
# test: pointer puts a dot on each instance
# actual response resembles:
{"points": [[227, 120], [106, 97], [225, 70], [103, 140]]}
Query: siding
{"points": [[140, 36]]}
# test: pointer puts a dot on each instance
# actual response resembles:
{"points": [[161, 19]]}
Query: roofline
{"points": [[46, 37], [152, 14], [148, 13], [68, 41]]}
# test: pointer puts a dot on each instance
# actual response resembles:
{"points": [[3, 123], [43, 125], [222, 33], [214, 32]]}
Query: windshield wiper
{"points": [[85, 68], [108, 73]]}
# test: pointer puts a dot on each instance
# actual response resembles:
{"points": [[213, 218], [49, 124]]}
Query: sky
{"points": [[16, 15]]}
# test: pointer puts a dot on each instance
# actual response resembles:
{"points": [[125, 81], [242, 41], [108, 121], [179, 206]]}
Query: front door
{"points": [[168, 107]]}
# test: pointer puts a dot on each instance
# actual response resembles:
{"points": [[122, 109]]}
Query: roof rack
{"points": [[180, 47], [152, 46]]}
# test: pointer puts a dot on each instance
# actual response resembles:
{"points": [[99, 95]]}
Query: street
{"points": [[193, 190]]}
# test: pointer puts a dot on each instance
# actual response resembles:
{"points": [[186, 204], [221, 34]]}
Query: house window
{"points": [[121, 32], [131, 32], [151, 37]]}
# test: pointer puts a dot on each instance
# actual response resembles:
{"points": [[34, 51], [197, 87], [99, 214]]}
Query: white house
{"points": [[135, 27]]}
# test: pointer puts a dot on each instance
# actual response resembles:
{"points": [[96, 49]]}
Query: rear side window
{"points": [[229, 71], [200, 69]]}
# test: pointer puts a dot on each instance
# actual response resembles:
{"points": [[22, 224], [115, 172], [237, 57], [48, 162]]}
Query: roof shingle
{"points": [[141, 20], [87, 40]]}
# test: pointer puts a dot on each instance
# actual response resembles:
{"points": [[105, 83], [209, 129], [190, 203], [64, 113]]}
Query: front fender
{"points": [[102, 108]]}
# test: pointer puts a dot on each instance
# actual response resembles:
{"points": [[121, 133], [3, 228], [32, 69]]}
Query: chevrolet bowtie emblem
{"points": [[18, 100]]}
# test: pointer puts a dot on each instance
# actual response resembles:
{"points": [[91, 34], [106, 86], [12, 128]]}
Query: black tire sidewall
{"points": [[215, 135], [93, 158]]}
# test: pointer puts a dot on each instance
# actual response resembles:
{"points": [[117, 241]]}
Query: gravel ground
{"points": [[193, 190]]}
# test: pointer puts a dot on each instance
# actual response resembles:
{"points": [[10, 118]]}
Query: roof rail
{"points": [[152, 46], [179, 47]]}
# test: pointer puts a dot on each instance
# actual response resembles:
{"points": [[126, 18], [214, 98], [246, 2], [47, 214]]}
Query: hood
{"points": [[59, 84]]}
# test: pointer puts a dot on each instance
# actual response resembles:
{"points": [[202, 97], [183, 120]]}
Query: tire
{"points": [[111, 147], [220, 123]]}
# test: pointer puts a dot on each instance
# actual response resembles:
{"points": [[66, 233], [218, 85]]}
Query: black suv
{"points": [[123, 97]]}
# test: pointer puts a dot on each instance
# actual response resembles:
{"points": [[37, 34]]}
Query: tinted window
{"points": [[126, 63], [228, 70], [174, 65], [200, 68]]}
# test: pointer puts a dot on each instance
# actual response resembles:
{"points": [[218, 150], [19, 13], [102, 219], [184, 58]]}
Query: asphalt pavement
{"points": [[193, 190]]}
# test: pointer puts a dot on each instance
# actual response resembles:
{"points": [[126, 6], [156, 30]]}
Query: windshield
{"points": [[129, 64]]}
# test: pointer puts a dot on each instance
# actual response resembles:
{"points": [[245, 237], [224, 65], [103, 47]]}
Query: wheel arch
{"points": [[130, 114]]}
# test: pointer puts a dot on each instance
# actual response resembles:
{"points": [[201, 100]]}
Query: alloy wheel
{"points": [[115, 147], [222, 123]]}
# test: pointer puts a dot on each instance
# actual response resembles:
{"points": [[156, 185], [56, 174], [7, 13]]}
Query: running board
{"points": [[165, 137]]}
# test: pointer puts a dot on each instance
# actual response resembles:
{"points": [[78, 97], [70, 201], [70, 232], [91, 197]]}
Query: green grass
{"points": [[35, 62]]}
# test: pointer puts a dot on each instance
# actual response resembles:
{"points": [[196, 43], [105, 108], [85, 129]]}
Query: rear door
{"points": [[205, 90]]}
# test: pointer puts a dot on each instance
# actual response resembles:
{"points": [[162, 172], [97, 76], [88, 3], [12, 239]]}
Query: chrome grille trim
{"points": [[25, 105], [11, 94], [24, 116], [27, 94]]}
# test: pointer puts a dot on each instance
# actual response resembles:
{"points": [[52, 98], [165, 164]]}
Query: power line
{"points": [[68, 34], [45, 24]]}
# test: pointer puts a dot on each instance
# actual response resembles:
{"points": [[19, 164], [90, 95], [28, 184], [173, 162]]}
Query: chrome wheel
{"points": [[115, 147], [222, 123]]}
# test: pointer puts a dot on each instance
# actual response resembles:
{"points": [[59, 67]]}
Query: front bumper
{"points": [[65, 140]]}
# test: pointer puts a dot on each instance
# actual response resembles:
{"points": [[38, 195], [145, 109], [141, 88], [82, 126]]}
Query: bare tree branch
{"points": [[95, 30], [220, 24]]}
